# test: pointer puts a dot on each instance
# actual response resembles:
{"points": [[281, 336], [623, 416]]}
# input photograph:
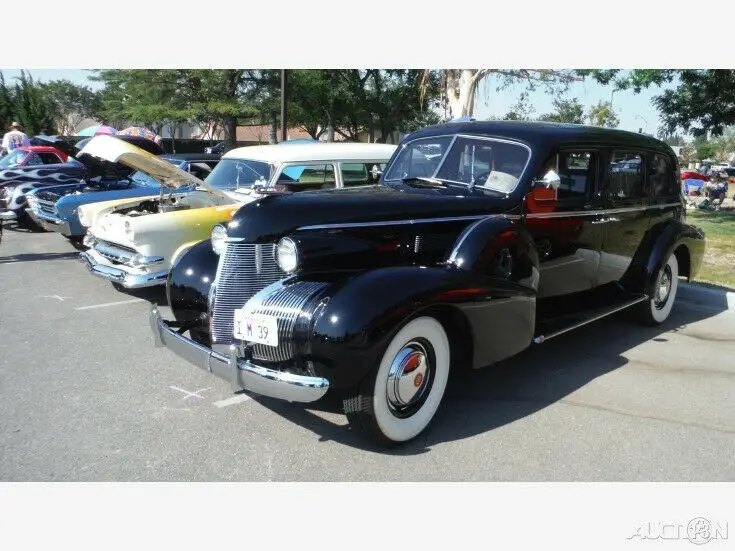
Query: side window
{"points": [[49, 158], [577, 171], [361, 174], [305, 177], [625, 178], [33, 160], [661, 178]]}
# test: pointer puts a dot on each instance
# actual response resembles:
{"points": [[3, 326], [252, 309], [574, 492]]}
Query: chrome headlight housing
{"points": [[219, 236], [129, 232], [287, 255]]}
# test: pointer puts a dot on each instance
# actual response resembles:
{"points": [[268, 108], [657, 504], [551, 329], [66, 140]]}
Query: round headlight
{"points": [[129, 230], [287, 255], [219, 234]]}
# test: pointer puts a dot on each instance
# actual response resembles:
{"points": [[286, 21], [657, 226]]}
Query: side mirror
{"points": [[545, 188], [551, 180]]}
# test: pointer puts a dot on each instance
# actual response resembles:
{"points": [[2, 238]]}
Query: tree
{"points": [[704, 148], [459, 86], [34, 110], [153, 97], [7, 104], [521, 110], [671, 139], [602, 114], [71, 104], [565, 110]]}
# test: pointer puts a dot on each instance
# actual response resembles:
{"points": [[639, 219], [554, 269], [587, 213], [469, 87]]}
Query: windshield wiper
{"points": [[420, 181]]}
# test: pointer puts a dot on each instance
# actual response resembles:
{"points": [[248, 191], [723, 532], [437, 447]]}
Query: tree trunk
{"points": [[230, 127], [272, 131], [461, 86]]}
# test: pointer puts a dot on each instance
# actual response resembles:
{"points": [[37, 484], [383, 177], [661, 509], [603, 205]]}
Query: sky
{"points": [[635, 111]]}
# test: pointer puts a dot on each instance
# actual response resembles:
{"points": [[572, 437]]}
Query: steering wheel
{"points": [[481, 178]]}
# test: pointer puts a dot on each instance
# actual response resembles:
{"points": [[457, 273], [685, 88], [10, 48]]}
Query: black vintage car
{"points": [[481, 239]]}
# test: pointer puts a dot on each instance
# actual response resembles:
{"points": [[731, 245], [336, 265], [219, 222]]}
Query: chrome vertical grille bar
{"points": [[244, 270]]}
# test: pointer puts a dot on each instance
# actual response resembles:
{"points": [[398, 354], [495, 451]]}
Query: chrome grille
{"points": [[286, 304], [47, 207], [243, 270], [114, 252]]}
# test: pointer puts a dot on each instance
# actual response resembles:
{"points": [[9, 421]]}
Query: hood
{"points": [[271, 217], [114, 150]]}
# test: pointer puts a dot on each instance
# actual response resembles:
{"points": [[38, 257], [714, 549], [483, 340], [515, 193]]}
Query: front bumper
{"points": [[49, 222], [241, 374], [99, 266]]}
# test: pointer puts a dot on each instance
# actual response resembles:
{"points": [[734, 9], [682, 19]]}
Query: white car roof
{"points": [[302, 152]]}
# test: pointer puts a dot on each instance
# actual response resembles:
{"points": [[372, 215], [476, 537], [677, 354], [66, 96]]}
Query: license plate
{"points": [[257, 328]]}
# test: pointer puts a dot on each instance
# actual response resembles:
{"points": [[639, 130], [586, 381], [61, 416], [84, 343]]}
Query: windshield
{"points": [[14, 158], [487, 163], [239, 173]]}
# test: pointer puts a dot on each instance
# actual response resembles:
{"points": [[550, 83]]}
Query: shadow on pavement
{"points": [[33, 257], [479, 401]]}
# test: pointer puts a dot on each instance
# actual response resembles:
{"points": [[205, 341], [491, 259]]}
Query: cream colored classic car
{"points": [[134, 243]]}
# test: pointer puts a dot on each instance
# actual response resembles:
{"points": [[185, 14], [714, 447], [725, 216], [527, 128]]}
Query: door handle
{"points": [[601, 221]]}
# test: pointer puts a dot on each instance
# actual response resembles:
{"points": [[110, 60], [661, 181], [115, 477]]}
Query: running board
{"points": [[586, 317]]}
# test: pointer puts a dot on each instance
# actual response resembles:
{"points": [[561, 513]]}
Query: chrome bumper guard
{"points": [[126, 279], [241, 374], [49, 221]]}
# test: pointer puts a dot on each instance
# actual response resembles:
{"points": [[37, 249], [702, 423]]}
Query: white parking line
{"points": [[194, 394], [106, 304], [231, 401]]}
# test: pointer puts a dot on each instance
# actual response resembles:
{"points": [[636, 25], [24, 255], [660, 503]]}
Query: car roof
{"points": [[41, 149], [300, 152], [546, 133]]}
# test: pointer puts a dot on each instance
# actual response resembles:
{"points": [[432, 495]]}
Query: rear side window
{"points": [[304, 177], [361, 174], [49, 158], [661, 178], [625, 177]]}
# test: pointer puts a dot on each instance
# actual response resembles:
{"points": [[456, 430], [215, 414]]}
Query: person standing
{"points": [[15, 138]]}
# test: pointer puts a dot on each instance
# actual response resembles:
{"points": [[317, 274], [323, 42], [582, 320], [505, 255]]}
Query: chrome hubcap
{"points": [[663, 288], [409, 378]]}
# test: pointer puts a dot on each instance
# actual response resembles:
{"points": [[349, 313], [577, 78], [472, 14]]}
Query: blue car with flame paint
{"points": [[55, 208]]}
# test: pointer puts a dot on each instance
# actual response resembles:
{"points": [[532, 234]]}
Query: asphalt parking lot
{"points": [[86, 396]]}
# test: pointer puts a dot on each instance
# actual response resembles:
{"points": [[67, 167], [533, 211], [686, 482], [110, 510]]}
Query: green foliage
{"points": [[603, 114], [27, 103], [705, 149], [565, 110]]}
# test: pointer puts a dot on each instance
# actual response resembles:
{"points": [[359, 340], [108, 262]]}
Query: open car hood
{"points": [[114, 150]]}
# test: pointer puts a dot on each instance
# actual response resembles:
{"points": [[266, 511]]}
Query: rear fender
{"points": [[659, 243]]}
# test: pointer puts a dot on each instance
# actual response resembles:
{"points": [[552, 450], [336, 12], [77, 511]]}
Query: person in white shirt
{"points": [[15, 138]]}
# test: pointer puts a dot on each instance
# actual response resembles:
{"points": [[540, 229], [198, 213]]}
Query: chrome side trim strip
{"points": [[392, 222]]}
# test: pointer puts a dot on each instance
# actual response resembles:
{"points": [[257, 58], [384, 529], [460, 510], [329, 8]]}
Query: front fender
{"points": [[357, 317], [481, 247], [188, 284]]}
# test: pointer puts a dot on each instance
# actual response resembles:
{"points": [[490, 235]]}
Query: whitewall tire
{"points": [[656, 310], [400, 398]]}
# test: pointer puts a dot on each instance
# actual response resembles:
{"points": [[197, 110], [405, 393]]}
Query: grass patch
{"points": [[718, 266]]}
